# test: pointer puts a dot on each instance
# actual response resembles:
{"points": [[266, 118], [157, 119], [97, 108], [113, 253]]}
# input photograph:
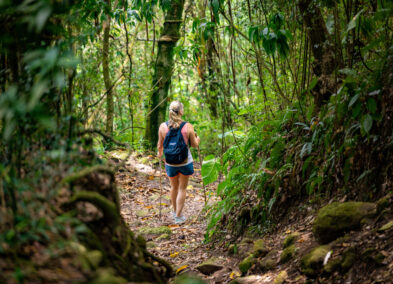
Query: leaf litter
{"points": [[140, 191]]}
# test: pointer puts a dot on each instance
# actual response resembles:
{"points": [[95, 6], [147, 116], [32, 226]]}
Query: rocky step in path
{"points": [[347, 242]]}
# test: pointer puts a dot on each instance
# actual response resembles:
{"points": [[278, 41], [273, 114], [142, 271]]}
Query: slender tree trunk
{"points": [[322, 49], [212, 99], [107, 79], [163, 70]]}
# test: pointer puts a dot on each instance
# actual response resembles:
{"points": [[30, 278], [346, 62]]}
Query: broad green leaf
{"points": [[372, 105], [209, 170], [356, 110], [367, 122], [353, 100], [354, 22]]}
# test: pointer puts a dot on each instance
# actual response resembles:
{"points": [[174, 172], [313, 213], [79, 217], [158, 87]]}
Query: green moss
{"points": [[154, 230], [232, 249], [108, 208], [151, 245], [269, 262], [209, 266], [141, 241], [290, 239], [188, 279], [384, 202], [122, 155], [335, 219], [348, 260], [246, 263], [281, 277], [164, 237], [312, 262], [94, 258], [142, 213], [386, 227], [107, 276], [333, 265], [259, 248], [287, 254]]}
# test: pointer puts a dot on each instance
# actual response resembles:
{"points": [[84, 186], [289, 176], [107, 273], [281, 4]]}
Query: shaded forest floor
{"points": [[184, 248]]}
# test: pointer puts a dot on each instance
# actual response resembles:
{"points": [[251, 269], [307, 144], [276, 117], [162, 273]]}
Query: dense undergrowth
{"points": [[342, 149]]}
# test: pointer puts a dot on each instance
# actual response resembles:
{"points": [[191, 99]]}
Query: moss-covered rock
{"points": [[259, 248], [312, 262], [281, 277], [335, 219], [246, 263], [348, 260], [210, 266], [269, 262], [333, 265], [287, 254], [155, 230], [290, 239], [386, 227]]}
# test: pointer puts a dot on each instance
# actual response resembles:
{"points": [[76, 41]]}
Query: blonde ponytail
{"points": [[175, 113]]}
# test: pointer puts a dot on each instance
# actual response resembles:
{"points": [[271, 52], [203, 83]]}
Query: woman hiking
{"points": [[174, 136]]}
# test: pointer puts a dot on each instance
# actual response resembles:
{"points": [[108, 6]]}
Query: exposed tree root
{"points": [[109, 233]]}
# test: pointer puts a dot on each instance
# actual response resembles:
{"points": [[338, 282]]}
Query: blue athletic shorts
{"points": [[186, 170]]}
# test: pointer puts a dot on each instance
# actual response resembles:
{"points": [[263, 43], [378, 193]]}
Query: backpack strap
{"points": [[182, 124]]}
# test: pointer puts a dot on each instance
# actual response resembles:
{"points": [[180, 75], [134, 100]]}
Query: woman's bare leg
{"points": [[181, 196], [174, 190]]}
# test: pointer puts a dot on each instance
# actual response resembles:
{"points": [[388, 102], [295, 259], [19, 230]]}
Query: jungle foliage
{"points": [[292, 101]]}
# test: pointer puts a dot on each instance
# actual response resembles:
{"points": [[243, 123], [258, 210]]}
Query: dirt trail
{"points": [[183, 247]]}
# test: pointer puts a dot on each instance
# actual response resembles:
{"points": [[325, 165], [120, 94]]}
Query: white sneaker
{"points": [[180, 220], [173, 214]]}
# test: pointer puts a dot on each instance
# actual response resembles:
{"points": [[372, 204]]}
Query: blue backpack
{"points": [[175, 148]]}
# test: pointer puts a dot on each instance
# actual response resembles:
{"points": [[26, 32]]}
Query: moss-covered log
{"points": [[108, 232]]}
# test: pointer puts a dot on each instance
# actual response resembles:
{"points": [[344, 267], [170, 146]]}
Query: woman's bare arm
{"points": [[194, 139], [160, 143]]}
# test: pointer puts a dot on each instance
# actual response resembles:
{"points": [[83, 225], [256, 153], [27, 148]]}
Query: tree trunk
{"points": [[322, 49], [163, 70], [107, 79]]}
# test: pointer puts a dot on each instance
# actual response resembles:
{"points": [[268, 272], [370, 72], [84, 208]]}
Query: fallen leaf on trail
{"points": [[173, 226], [173, 255], [234, 274], [163, 204], [151, 177], [181, 268], [190, 187], [149, 207], [300, 240], [288, 231], [191, 195]]}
